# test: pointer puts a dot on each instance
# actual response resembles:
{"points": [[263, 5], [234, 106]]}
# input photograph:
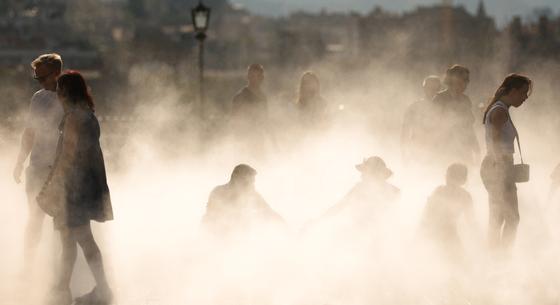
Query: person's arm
{"points": [[498, 118], [68, 151], [27, 140], [267, 211]]}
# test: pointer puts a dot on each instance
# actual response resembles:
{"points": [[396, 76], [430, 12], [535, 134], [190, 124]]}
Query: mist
{"points": [[161, 173], [164, 158]]}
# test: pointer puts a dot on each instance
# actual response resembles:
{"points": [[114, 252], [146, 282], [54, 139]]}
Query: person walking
{"points": [[76, 190]]}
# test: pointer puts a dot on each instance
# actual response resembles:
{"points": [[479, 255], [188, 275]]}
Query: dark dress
{"points": [[86, 193]]}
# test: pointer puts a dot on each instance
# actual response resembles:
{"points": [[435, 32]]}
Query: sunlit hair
{"points": [[73, 84], [429, 79], [307, 77], [255, 67], [512, 81], [52, 60], [456, 71]]}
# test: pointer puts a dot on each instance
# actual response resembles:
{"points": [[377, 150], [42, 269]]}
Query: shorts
{"points": [[35, 178]]}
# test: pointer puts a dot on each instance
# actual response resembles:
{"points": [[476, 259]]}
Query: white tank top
{"points": [[508, 131]]}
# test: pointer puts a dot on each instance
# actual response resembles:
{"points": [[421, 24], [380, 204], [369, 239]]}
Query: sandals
{"points": [[59, 297], [97, 296]]}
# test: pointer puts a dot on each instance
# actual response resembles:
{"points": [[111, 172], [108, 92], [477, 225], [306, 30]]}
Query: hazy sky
{"points": [[502, 9]]}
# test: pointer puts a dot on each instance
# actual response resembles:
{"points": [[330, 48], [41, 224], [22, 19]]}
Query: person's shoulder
{"points": [[444, 94], [39, 96], [466, 99], [219, 190], [241, 92]]}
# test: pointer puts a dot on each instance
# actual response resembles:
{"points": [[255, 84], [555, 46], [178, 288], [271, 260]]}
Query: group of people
{"points": [[443, 119], [66, 176]]}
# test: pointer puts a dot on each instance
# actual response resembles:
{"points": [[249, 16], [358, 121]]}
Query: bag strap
{"points": [[516, 137]]}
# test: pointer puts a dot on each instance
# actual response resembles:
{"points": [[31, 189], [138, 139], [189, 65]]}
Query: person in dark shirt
{"points": [[236, 207], [250, 101], [457, 138], [249, 114]]}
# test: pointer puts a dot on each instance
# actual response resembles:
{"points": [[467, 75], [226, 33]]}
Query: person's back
{"points": [[446, 205], [45, 114], [236, 207], [443, 210]]}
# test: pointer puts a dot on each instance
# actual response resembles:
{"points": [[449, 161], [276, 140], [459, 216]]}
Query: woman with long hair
{"points": [[78, 182], [497, 170], [310, 103]]}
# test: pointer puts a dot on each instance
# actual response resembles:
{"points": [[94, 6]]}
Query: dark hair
{"points": [[512, 81], [307, 76], [74, 85], [456, 172], [243, 170], [456, 70]]}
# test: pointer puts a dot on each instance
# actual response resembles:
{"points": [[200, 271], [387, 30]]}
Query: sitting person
{"points": [[444, 208], [367, 197], [236, 207]]}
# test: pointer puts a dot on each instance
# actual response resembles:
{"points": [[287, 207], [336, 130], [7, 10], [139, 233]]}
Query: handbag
{"points": [[50, 198]]}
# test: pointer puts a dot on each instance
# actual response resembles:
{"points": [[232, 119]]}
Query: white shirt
{"points": [[508, 133], [45, 115]]}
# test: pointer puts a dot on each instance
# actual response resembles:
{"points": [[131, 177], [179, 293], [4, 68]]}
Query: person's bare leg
{"points": [[102, 292], [33, 230], [60, 294], [511, 220], [69, 254]]}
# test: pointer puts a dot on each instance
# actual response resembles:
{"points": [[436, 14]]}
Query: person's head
{"points": [[255, 75], [514, 91], [243, 176], [46, 69], [309, 86], [374, 168], [431, 85], [456, 174], [457, 79], [72, 90]]}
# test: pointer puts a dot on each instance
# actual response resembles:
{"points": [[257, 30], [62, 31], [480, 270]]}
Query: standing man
{"points": [[39, 141], [249, 113], [251, 102], [418, 123], [458, 142]]}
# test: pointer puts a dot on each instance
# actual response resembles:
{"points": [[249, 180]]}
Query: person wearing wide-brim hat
{"points": [[372, 192], [374, 167]]}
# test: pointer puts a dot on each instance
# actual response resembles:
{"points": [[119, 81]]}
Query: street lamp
{"points": [[200, 18]]}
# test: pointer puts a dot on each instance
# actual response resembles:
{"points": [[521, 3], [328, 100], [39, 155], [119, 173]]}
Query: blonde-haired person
{"points": [[457, 139], [497, 167], [38, 142]]}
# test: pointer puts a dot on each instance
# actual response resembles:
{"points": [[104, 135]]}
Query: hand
{"points": [[17, 172]]}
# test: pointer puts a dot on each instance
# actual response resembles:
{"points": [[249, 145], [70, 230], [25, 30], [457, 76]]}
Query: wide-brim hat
{"points": [[375, 165]]}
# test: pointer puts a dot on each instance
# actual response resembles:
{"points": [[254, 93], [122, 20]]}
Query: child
{"points": [[444, 208]]}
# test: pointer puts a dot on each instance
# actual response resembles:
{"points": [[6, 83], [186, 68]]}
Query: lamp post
{"points": [[200, 17]]}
